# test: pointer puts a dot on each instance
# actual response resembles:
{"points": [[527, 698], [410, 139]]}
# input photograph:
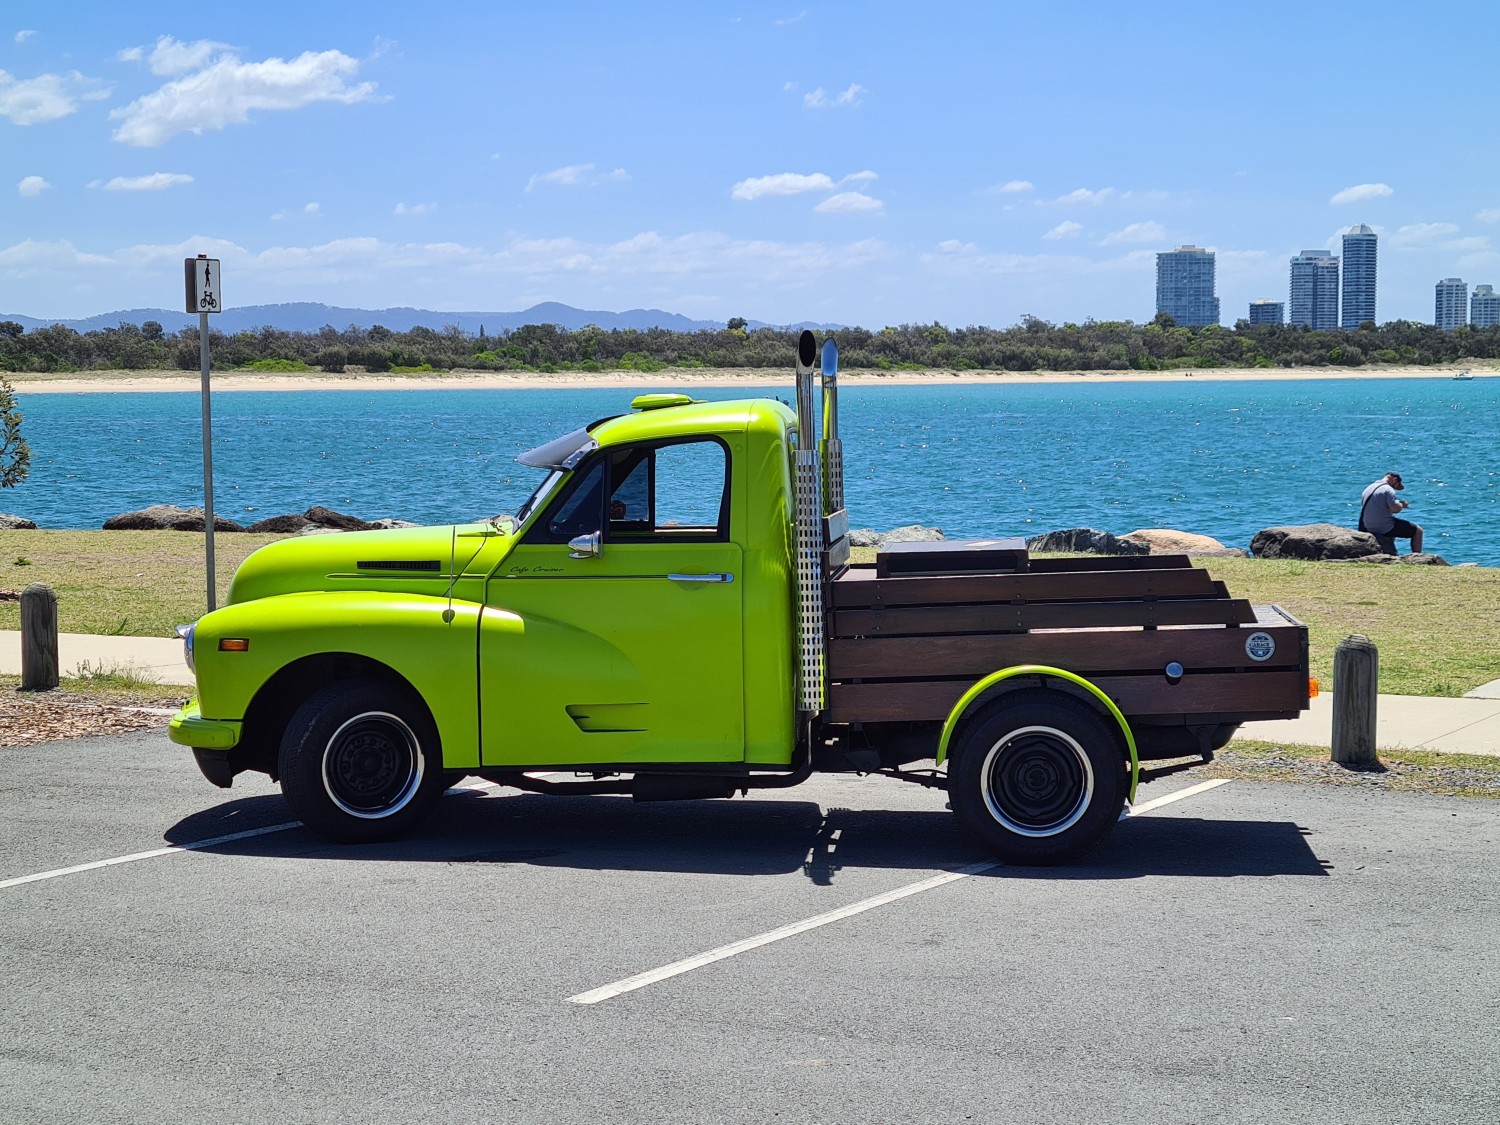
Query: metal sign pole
{"points": [[204, 295], [208, 462]]}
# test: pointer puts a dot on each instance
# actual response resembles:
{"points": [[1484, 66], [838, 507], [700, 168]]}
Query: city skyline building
{"points": [[1185, 286], [1263, 310], [1314, 297], [1359, 277], [1484, 307], [1451, 308]]}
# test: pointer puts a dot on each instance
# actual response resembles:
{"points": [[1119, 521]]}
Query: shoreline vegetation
{"points": [[550, 355], [352, 379]]}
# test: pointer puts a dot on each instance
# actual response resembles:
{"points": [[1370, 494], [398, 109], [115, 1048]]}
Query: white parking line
{"points": [[135, 857], [175, 849], [697, 961]]}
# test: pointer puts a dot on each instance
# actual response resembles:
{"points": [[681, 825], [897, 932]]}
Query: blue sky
{"points": [[864, 163]]}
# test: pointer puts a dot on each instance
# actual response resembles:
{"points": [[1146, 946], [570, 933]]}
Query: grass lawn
{"points": [[1433, 626]]}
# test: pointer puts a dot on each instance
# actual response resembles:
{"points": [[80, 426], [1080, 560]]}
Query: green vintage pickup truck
{"points": [[673, 615]]}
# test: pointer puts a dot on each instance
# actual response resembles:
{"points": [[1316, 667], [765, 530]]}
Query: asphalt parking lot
{"points": [[1251, 952]]}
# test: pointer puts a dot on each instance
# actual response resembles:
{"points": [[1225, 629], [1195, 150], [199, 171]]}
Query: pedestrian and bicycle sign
{"points": [[201, 276]]}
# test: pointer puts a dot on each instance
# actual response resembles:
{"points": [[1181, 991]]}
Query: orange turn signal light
{"points": [[234, 644], [1312, 688]]}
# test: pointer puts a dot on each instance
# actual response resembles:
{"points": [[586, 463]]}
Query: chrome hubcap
{"points": [[1037, 781]]}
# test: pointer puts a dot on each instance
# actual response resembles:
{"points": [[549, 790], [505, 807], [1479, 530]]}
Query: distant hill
{"points": [[306, 316]]}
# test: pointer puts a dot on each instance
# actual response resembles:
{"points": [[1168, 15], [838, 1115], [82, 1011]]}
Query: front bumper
{"points": [[189, 728]]}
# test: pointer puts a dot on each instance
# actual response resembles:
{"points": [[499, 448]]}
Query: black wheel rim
{"points": [[372, 765], [1037, 781]]}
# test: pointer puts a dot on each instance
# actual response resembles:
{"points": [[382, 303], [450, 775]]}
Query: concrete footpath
{"points": [[1470, 725]]}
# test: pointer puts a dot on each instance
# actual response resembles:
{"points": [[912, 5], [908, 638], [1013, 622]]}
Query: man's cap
{"points": [[1395, 479]]}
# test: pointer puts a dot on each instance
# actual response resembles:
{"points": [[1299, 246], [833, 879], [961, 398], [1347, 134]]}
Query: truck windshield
{"points": [[543, 490]]}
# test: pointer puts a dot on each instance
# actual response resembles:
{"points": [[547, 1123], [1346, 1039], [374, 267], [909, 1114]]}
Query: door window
{"points": [[677, 491]]}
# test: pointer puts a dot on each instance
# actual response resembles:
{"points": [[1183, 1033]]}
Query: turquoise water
{"points": [[1219, 458]]}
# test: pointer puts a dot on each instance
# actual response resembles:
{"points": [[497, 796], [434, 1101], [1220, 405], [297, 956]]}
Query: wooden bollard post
{"points": [[38, 638], [1356, 682]]}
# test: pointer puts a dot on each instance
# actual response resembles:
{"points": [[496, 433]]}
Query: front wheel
{"points": [[360, 762], [1037, 777]]}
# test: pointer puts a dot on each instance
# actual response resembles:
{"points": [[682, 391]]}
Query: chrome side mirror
{"points": [[589, 546]]}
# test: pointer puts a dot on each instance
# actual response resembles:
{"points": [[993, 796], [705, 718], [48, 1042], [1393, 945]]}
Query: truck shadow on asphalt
{"points": [[756, 837]]}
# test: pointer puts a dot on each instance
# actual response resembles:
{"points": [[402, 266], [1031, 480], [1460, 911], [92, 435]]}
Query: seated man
{"points": [[1377, 515]]}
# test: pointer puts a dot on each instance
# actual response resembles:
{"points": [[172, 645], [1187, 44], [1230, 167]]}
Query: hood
{"points": [[419, 560]]}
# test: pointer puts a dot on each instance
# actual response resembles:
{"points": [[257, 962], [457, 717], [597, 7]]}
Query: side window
{"points": [[676, 491], [577, 513]]}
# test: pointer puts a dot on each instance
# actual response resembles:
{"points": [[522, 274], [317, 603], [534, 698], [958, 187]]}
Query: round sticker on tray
{"points": [[1260, 646]]}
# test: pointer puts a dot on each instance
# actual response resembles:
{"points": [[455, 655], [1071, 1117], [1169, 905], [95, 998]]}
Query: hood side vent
{"points": [[432, 566]]}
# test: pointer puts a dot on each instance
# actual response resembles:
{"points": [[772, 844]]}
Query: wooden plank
{"points": [[899, 621], [1243, 694], [1110, 562], [1086, 652], [1029, 587]]}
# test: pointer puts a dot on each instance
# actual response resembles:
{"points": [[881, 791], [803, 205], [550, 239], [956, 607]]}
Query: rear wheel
{"points": [[360, 762], [1037, 777]]}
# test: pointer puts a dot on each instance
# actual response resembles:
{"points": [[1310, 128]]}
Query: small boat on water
{"points": [[1463, 375]]}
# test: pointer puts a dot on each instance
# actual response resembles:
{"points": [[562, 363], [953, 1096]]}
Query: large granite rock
{"points": [[1165, 541], [289, 524], [15, 523], [327, 517], [167, 517], [911, 533], [1085, 540], [1423, 559], [1319, 542]]}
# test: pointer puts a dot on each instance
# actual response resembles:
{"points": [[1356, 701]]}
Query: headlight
{"points": [[186, 633]]}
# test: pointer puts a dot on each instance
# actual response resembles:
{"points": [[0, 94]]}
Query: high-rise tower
{"points": [[1315, 290], [1359, 277], [1263, 310], [1185, 286], [1452, 307], [1484, 307]]}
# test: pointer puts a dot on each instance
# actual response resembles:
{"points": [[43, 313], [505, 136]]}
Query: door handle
{"points": [[701, 577]]}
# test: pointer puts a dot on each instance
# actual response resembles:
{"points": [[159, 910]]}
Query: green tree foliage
{"points": [[15, 454], [1032, 345]]}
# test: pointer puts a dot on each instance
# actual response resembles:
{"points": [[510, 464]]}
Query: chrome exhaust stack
{"points": [[808, 515]]}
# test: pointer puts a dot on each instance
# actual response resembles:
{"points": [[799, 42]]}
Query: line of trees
{"points": [[1031, 345]]}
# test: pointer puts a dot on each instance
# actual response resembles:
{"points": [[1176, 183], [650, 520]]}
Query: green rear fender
{"points": [[429, 642], [978, 690]]}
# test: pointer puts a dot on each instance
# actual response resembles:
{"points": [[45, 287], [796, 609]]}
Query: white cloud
{"points": [[782, 183], [798, 18], [28, 33], [577, 174], [954, 246], [170, 56], [1085, 195], [1067, 229], [819, 99], [157, 181], [849, 203], [1013, 187], [1490, 215], [865, 177], [1418, 235], [1467, 245], [227, 90], [32, 101], [131, 54], [415, 209], [31, 186], [28, 258], [311, 210], [1136, 232], [1360, 193]]}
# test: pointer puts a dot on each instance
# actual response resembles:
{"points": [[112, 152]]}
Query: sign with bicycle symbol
{"points": [[201, 277]]}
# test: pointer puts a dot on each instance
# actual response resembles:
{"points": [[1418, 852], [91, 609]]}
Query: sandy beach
{"points": [[106, 382]]}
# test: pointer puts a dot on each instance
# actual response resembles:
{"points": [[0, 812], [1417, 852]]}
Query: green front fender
{"points": [[430, 642], [968, 697]]}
